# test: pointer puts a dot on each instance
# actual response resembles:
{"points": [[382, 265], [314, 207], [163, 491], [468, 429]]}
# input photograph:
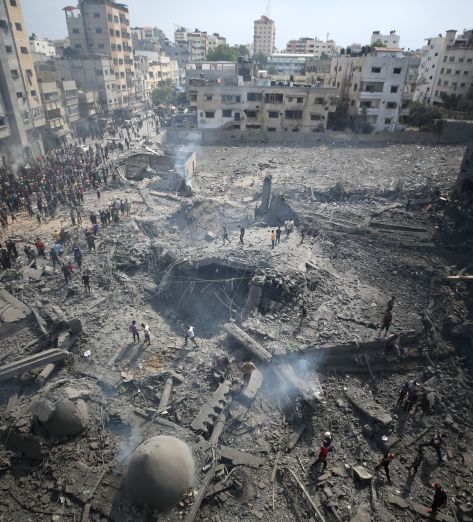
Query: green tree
{"points": [[243, 50], [423, 116], [165, 93], [223, 53], [379, 43], [339, 119], [261, 58]]}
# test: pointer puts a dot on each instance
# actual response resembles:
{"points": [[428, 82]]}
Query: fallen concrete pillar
{"points": [[254, 294], [241, 337], [38, 360], [368, 407], [165, 394]]}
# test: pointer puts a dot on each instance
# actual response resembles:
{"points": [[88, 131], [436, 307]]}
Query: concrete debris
{"points": [[32, 362], [212, 407], [67, 419]]}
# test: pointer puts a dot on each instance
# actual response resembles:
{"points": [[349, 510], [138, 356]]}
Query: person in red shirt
{"points": [[40, 247], [323, 455], [70, 267]]}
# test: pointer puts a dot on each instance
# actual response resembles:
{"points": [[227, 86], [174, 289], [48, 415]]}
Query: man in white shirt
{"points": [[190, 335]]}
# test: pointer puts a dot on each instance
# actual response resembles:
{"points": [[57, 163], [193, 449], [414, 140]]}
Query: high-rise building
{"points": [[102, 27], [264, 36], [313, 46], [21, 112]]}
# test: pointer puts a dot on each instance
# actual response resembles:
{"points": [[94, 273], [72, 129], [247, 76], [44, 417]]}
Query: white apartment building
{"points": [[264, 36], [42, 46], [157, 67], [381, 83], [431, 56], [260, 105], [197, 43], [312, 46], [391, 40], [215, 40], [287, 65]]}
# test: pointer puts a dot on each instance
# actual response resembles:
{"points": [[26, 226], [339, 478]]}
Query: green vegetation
{"points": [[166, 93], [423, 116], [261, 58], [379, 43], [223, 53]]}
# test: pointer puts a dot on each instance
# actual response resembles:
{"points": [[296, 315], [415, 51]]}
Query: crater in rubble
{"points": [[160, 472], [68, 418]]}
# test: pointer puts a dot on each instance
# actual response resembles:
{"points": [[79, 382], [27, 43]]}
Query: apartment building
{"points": [[215, 40], [263, 105], [318, 70], [198, 43], [157, 68], [380, 84], [455, 71], [390, 40], [287, 65], [264, 36], [41, 45], [317, 48], [21, 112], [102, 27]]}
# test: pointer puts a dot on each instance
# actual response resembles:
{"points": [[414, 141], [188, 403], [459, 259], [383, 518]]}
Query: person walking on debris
{"points": [[146, 333], [134, 330], [439, 500], [278, 235], [326, 438], [247, 368], [302, 235], [411, 398], [73, 217], [67, 274], [225, 235], [273, 239], [70, 267], [54, 257], [190, 335], [77, 255], [385, 463], [256, 212], [436, 442], [403, 389], [242, 234], [86, 281], [98, 193], [426, 402], [416, 462], [387, 319], [324, 451]]}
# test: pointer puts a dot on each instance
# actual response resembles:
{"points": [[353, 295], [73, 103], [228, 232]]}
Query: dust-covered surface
{"points": [[370, 223]]}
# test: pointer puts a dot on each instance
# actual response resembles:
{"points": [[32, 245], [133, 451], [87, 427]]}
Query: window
{"points": [[226, 113], [33, 93], [110, 17], [208, 97], [442, 70], [394, 88], [77, 46], [209, 114], [375, 69], [355, 87], [436, 54], [2, 121], [117, 33], [451, 58], [449, 71], [19, 95], [115, 19], [465, 73], [254, 96], [315, 117], [14, 74], [469, 60], [13, 3], [75, 31], [444, 58], [98, 30], [461, 60], [397, 70], [387, 121], [8, 48], [273, 114], [274, 98], [457, 72], [96, 15], [391, 105], [112, 32], [271, 129], [319, 101], [293, 115], [251, 114], [24, 50], [462, 84], [18, 26]]}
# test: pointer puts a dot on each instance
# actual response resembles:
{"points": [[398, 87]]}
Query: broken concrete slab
{"points": [[212, 407], [361, 474], [237, 457], [366, 405], [417, 508], [14, 316], [245, 340], [252, 387], [32, 362]]}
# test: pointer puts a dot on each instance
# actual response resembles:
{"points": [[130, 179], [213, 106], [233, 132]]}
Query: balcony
{"points": [[369, 95]]}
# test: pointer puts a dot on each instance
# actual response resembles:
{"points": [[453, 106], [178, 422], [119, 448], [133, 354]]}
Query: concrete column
{"points": [[266, 196], [254, 295]]}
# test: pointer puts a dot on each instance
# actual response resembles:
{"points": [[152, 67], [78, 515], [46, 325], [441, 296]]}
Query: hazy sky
{"points": [[347, 21]]}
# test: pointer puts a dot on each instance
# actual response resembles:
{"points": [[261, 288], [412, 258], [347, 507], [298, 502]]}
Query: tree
{"points": [[243, 51], [338, 120], [379, 43], [165, 93], [360, 122], [261, 58], [223, 53], [423, 116]]}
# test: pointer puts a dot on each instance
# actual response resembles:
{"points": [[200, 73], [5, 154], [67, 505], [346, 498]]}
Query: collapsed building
{"points": [[97, 427]]}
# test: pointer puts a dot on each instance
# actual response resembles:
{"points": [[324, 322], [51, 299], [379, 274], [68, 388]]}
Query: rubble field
{"points": [[78, 396]]}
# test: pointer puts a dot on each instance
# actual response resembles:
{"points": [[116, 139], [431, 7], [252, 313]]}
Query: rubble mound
{"points": [[68, 418], [160, 472]]}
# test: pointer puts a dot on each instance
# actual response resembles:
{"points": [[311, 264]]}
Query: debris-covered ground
{"points": [[370, 223]]}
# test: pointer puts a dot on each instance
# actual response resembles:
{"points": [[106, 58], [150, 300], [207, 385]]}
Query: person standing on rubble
{"points": [[73, 217], [134, 330], [66, 272], [387, 319], [54, 258], [190, 335], [436, 442], [278, 235], [416, 462], [146, 333], [86, 280], [385, 462], [411, 398], [242, 234], [273, 239], [322, 457], [247, 368], [439, 500], [225, 235]]}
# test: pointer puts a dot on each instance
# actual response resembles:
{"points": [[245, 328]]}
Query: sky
{"points": [[346, 21]]}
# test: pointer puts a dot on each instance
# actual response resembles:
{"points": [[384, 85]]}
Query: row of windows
{"points": [[449, 71], [451, 59], [396, 70], [291, 115], [453, 84], [258, 96]]}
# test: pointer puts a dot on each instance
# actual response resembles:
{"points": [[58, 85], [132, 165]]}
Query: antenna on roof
{"points": [[268, 8]]}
